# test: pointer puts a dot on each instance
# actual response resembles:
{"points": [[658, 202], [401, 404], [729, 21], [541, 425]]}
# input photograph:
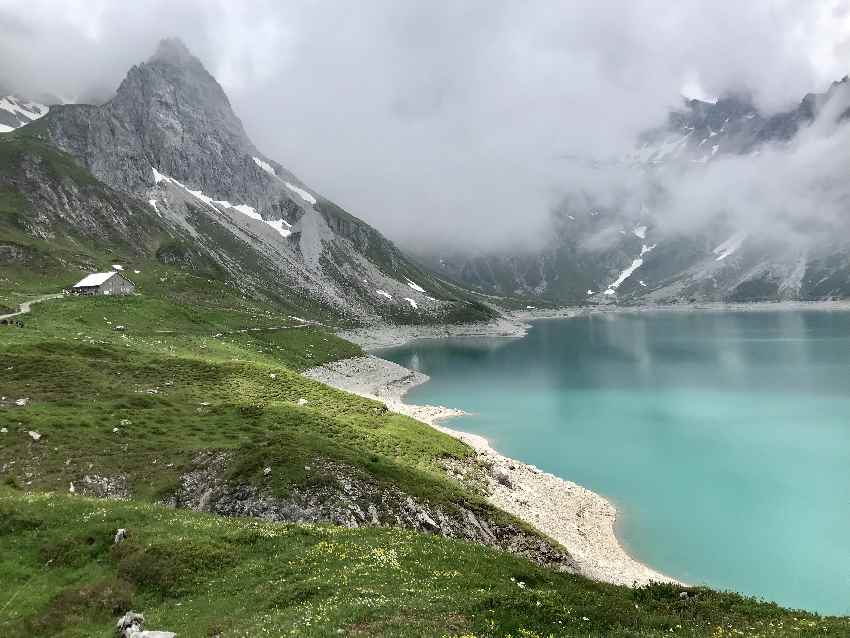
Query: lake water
{"points": [[723, 438]]}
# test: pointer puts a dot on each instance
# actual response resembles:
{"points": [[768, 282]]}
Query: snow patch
{"points": [[645, 249], [265, 166], [278, 225], [412, 302], [307, 197], [250, 211], [729, 246], [23, 110], [636, 263], [384, 293], [639, 232], [152, 202], [117, 267], [415, 286], [218, 204], [209, 201]]}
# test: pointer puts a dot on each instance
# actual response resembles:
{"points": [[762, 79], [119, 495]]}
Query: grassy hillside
{"points": [[180, 379], [202, 576], [58, 223]]}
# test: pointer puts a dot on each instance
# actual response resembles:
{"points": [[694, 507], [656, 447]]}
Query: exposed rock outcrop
{"points": [[354, 499]]}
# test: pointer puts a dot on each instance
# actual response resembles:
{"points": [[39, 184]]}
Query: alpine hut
{"points": [[104, 283]]}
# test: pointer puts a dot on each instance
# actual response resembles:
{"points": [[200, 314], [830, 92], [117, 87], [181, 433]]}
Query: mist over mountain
{"points": [[458, 114], [722, 203], [515, 151]]}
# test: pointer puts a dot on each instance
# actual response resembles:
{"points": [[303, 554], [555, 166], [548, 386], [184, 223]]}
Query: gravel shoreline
{"points": [[580, 520]]}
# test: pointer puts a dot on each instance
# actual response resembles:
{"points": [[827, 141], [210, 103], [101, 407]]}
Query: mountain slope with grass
{"points": [[202, 406], [201, 576], [174, 412], [169, 142]]}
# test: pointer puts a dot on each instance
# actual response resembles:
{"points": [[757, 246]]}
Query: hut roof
{"points": [[95, 279]]}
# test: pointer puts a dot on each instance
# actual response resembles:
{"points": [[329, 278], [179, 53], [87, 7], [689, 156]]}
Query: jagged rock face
{"points": [[606, 254], [732, 125], [52, 202], [354, 499], [170, 138], [170, 114]]}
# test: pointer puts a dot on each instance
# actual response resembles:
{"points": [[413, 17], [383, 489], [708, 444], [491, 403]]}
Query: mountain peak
{"points": [[173, 51]]}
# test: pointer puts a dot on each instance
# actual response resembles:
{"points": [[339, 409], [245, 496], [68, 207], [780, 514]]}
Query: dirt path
{"points": [[25, 307]]}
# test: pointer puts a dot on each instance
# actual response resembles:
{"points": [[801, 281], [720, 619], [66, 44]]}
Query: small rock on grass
{"points": [[131, 625], [35, 436]]}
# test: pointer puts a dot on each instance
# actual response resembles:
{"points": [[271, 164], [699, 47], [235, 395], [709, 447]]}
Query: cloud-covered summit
{"points": [[447, 120]]}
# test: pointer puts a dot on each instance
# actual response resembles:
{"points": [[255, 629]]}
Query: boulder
{"points": [[131, 625]]}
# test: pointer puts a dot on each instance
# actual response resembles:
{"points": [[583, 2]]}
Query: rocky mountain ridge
{"points": [[170, 138], [625, 253]]}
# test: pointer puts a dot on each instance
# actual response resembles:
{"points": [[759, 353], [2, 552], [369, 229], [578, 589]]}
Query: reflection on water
{"points": [[724, 438]]}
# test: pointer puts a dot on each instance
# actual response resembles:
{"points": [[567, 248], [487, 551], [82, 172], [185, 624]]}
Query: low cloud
{"points": [[451, 124], [793, 195]]}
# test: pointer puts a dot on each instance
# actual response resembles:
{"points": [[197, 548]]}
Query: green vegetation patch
{"points": [[118, 387], [201, 575]]}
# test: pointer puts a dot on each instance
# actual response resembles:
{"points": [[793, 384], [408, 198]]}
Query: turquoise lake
{"points": [[722, 438]]}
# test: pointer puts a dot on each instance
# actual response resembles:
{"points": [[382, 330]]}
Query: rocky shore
{"points": [[580, 520], [512, 324]]}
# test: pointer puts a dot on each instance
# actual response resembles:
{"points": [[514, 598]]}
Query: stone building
{"points": [[104, 283]]}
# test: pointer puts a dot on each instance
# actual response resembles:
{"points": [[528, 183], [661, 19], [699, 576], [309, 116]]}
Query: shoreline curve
{"points": [[574, 516]]}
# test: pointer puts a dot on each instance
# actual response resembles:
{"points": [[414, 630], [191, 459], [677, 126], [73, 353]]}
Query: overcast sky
{"points": [[441, 120]]}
